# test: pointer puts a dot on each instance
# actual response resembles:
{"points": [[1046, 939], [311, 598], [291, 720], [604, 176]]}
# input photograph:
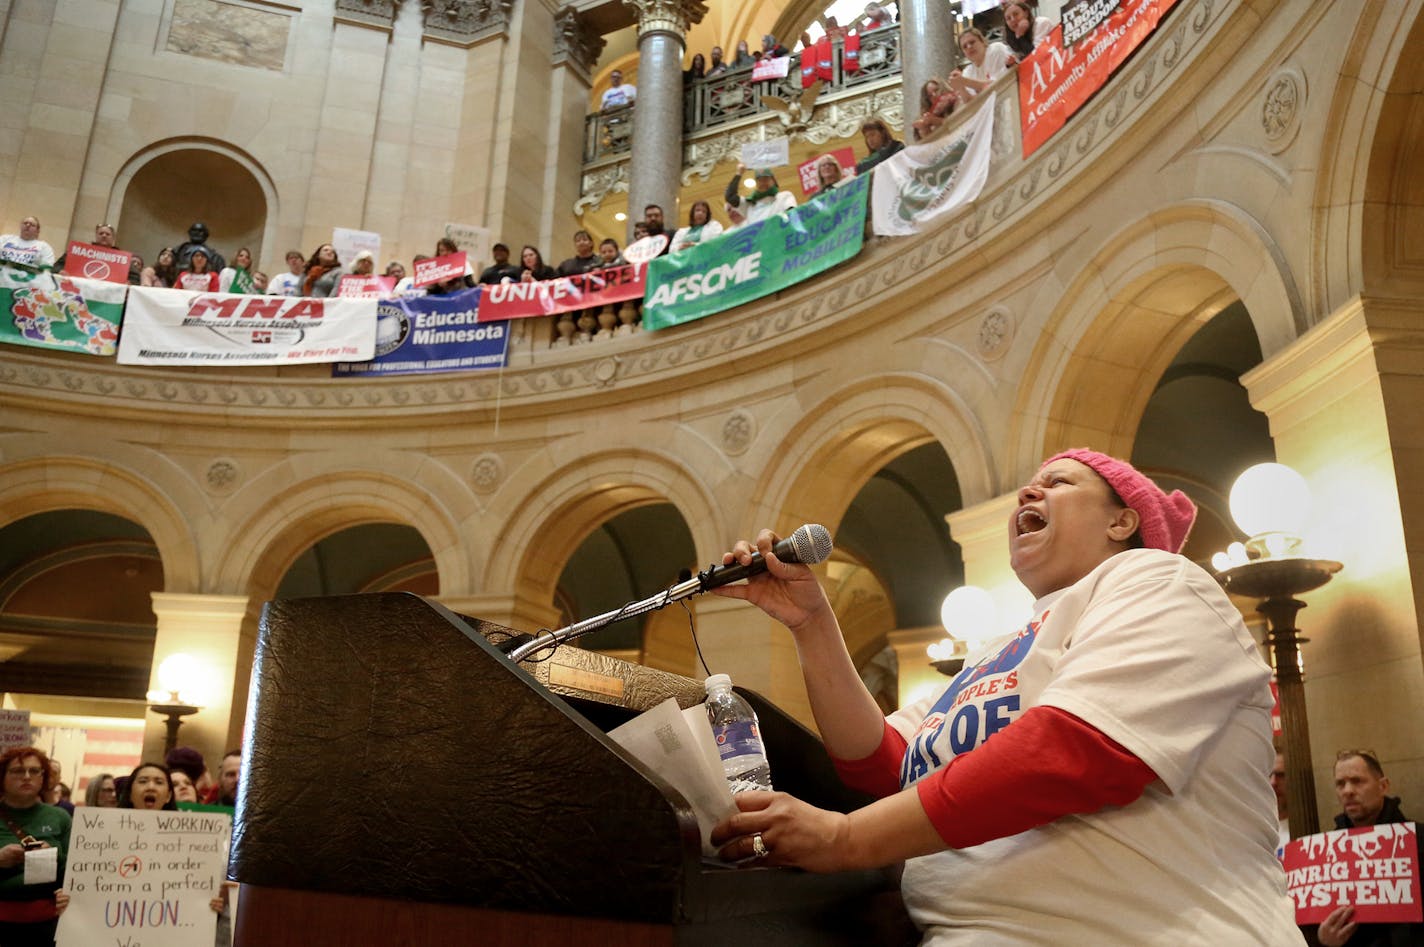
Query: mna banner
{"points": [[176, 327], [1055, 82], [54, 311], [924, 182], [426, 334], [756, 260], [1375, 868], [565, 294]]}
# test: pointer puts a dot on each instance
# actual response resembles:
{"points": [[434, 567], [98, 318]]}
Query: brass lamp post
{"points": [[1269, 502]]}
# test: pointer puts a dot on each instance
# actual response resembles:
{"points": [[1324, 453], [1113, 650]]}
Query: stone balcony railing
{"points": [[823, 311]]}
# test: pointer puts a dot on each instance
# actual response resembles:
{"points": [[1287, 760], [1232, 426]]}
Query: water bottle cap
{"points": [[718, 681]]}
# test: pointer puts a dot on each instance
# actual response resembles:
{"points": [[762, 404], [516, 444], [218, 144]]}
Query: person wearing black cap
{"points": [[502, 269]]}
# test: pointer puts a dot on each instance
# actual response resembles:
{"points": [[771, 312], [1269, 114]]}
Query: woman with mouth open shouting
{"points": [[1122, 798]]}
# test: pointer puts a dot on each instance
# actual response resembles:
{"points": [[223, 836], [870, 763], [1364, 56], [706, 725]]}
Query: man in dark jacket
{"points": [[1363, 790]]}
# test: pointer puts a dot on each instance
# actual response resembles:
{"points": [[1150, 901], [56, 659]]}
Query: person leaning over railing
{"points": [[987, 62], [1023, 31], [830, 174], [937, 100], [700, 228], [879, 142]]}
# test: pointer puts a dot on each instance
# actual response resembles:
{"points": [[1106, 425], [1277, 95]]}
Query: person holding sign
{"points": [[149, 787], [34, 842], [1363, 791], [1094, 778]]}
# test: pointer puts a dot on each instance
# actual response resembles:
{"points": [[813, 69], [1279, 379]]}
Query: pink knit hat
{"points": [[1164, 519]]}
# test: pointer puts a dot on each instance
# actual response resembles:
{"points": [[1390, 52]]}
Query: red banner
{"points": [[1374, 868], [565, 294], [101, 263], [1054, 83], [366, 287], [806, 170], [440, 268]]}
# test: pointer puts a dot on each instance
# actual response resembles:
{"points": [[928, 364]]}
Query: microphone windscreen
{"points": [[810, 544]]}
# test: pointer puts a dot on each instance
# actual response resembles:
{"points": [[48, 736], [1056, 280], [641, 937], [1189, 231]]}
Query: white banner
{"points": [[176, 327], [924, 182], [144, 878]]}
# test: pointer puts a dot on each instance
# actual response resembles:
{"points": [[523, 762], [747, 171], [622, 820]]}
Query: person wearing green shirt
{"points": [[29, 912]]}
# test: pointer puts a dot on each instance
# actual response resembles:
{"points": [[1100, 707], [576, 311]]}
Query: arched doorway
{"points": [[166, 192]]}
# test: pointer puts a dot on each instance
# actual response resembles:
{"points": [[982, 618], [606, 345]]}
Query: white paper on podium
{"points": [[679, 747]]}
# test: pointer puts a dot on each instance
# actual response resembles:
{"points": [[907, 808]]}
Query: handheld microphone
{"points": [[809, 545]]}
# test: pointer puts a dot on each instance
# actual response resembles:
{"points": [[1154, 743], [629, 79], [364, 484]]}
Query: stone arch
{"points": [[819, 466], [143, 202], [556, 515], [142, 489], [271, 525], [1368, 194], [1113, 330]]}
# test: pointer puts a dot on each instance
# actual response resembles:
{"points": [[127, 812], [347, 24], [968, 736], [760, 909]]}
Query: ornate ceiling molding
{"points": [[576, 45], [667, 16], [378, 13], [465, 22]]}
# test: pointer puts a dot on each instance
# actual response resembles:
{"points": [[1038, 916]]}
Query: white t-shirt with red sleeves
{"points": [[1147, 649]]}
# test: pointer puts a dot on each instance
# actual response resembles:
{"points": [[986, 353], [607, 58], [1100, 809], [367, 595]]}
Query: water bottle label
{"points": [[737, 739]]}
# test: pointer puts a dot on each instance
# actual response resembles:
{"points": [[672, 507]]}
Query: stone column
{"points": [[927, 50], [209, 629], [655, 169], [1343, 403], [982, 532]]}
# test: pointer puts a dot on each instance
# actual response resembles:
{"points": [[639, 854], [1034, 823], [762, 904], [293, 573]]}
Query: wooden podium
{"points": [[405, 783]]}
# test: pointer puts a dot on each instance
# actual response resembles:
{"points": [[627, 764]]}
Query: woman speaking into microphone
{"points": [[1097, 777]]}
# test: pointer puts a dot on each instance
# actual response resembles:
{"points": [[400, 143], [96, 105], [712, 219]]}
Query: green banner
{"points": [[758, 259], [54, 311]]}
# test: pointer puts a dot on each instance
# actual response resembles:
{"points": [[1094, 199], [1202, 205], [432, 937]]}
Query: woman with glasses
{"points": [[101, 792], [29, 912]]}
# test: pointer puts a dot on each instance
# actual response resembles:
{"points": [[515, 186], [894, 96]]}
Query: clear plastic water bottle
{"points": [[738, 735]]}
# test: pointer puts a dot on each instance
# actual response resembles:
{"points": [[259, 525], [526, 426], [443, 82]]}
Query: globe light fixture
{"points": [[180, 676], [1271, 503], [970, 617]]}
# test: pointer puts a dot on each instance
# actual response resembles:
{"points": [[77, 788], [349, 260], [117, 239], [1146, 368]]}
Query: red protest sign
{"points": [[366, 287], [806, 170], [101, 263], [1054, 82], [440, 268], [1374, 868], [565, 294]]}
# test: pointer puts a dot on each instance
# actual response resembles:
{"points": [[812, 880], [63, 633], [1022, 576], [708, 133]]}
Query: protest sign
{"points": [[1081, 17], [475, 241], [347, 243], [424, 334], [439, 269], [143, 878], [757, 259], [98, 263], [54, 311], [14, 728], [1055, 82], [1375, 868], [806, 170], [649, 248], [176, 327], [926, 181], [767, 154], [365, 287], [565, 294], [769, 67]]}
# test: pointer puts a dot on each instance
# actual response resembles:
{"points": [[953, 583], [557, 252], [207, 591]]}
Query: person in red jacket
{"points": [[1097, 776]]}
